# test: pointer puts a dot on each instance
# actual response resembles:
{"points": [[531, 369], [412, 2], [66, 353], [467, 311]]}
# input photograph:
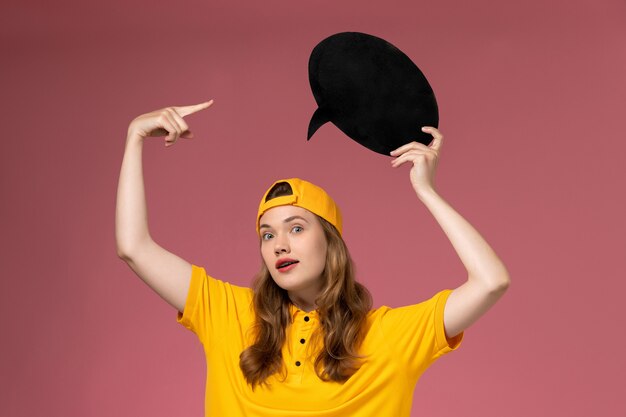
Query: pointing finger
{"points": [[407, 146], [187, 110]]}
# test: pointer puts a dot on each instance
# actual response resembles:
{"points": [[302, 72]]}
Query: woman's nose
{"points": [[281, 245]]}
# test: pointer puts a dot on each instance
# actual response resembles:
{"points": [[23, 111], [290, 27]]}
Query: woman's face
{"points": [[293, 247]]}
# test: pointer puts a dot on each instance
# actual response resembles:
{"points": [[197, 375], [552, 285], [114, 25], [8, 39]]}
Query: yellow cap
{"points": [[306, 195]]}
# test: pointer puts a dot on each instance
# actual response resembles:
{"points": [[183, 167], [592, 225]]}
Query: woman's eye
{"points": [[297, 229], [267, 236]]}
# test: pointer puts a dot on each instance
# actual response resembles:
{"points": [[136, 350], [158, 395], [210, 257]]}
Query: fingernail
{"points": [[424, 128]]}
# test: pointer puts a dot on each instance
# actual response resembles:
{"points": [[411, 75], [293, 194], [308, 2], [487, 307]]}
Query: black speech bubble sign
{"points": [[371, 91]]}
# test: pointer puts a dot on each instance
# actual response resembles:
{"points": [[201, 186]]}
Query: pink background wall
{"points": [[530, 94]]}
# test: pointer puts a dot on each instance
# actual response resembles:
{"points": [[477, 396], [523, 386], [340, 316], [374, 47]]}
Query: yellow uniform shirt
{"points": [[402, 343]]}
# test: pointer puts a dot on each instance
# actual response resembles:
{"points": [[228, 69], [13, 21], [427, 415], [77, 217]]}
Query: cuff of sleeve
{"points": [[444, 344], [185, 318]]}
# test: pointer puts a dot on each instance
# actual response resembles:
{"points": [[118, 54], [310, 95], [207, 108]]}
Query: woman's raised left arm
{"points": [[488, 278]]}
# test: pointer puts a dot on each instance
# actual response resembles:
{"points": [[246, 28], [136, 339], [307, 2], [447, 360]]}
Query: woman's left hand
{"points": [[424, 159]]}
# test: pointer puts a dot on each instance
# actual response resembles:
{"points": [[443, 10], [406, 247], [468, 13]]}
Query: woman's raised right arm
{"points": [[167, 274]]}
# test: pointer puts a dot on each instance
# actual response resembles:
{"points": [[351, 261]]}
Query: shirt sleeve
{"points": [[212, 306], [416, 332]]}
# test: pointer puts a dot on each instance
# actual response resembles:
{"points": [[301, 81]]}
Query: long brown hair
{"points": [[342, 308]]}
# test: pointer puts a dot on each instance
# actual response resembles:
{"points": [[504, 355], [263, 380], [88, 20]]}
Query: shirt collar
{"points": [[296, 312]]}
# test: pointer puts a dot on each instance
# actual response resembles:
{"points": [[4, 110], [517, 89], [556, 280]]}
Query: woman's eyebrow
{"points": [[287, 220]]}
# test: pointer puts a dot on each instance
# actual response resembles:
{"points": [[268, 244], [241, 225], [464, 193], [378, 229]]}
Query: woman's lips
{"points": [[283, 261], [287, 268]]}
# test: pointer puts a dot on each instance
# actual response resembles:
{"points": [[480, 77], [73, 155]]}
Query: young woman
{"points": [[304, 340]]}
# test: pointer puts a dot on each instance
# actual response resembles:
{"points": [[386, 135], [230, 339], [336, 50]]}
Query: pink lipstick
{"points": [[286, 264]]}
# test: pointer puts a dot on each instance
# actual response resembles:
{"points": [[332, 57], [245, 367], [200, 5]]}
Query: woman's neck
{"points": [[306, 307]]}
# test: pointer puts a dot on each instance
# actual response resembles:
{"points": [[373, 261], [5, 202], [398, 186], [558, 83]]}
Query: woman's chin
{"points": [[290, 285]]}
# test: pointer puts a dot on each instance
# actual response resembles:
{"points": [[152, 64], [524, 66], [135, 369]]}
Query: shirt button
{"points": [[306, 318], [302, 341], [297, 363]]}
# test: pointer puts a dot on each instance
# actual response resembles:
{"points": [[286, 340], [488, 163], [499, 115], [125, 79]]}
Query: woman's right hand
{"points": [[165, 122]]}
